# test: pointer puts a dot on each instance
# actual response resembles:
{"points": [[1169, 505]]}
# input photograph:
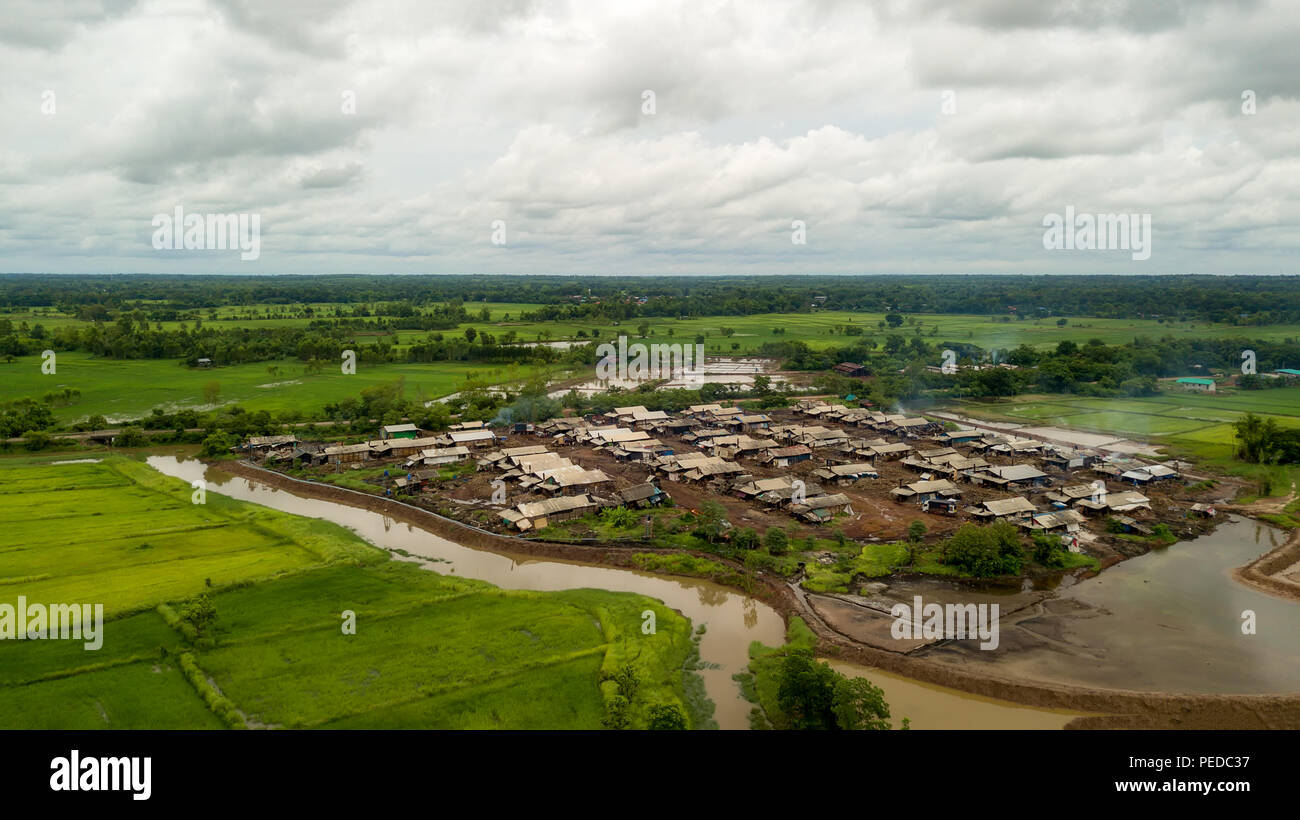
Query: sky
{"points": [[661, 138]]}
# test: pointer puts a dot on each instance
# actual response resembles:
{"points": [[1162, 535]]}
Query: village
{"points": [[814, 468]]}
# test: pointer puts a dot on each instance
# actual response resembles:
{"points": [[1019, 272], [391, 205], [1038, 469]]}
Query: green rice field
{"points": [[130, 388], [429, 651]]}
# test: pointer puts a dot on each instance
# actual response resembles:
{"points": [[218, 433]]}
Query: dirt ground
{"points": [[876, 515]]}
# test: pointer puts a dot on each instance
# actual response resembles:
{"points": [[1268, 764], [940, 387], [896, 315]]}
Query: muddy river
{"points": [[1170, 620]]}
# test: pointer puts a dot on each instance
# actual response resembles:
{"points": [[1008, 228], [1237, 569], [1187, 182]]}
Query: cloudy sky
{"points": [[389, 137]]}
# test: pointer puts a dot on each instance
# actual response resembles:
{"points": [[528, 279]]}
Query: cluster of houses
{"points": [[395, 441], [902, 426], [573, 490], [720, 446], [941, 469]]}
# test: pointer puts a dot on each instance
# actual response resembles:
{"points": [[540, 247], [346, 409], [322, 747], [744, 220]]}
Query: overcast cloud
{"points": [[833, 113]]}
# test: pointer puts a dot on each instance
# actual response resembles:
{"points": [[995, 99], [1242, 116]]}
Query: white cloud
{"points": [[765, 112]]}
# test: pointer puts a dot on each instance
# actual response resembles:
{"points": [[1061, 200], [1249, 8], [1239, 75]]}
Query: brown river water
{"points": [[1170, 621], [734, 620]]}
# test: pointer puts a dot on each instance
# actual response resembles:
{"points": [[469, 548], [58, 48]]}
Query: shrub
{"points": [[620, 517], [1048, 550], [776, 541], [986, 551], [666, 717], [216, 444], [200, 613], [130, 437], [916, 531], [745, 538]]}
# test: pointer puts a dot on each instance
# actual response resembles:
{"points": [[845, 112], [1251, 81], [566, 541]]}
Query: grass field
{"points": [[118, 389], [817, 329], [428, 650]]}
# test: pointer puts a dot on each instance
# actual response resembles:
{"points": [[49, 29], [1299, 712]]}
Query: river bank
{"points": [[1276, 572], [1113, 708]]}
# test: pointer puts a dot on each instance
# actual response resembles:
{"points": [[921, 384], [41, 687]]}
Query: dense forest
{"points": [[1242, 300]]}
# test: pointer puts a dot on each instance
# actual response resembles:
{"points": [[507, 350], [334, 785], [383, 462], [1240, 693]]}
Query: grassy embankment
{"points": [[429, 650]]}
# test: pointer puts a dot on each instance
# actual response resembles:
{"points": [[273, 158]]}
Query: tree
{"points": [[216, 444], [1056, 375], [985, 551], [806, 694], [666, 717], [859, 705], [34, 440], [211, 392], [776, 541], [995, 381], [916, 531], [712, 519], [893, 319], [618, 711], [200, 613], [745, 538], [1257, 438], [1048, 550], [130, 437]]}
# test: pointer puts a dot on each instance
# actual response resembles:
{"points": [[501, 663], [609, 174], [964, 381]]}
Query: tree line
{"points": [[1239, 300]]}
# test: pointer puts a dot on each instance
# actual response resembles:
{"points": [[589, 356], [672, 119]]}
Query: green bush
{"points": [[130, 437], [745, 538], [666, 717], [986, 551], [1048, 550], [216, 444], [220, 705], [776, 541], [620, 517]]}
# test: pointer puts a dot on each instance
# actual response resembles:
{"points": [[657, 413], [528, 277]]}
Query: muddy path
{"points": [[1112, 708], [1276, 572]]}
